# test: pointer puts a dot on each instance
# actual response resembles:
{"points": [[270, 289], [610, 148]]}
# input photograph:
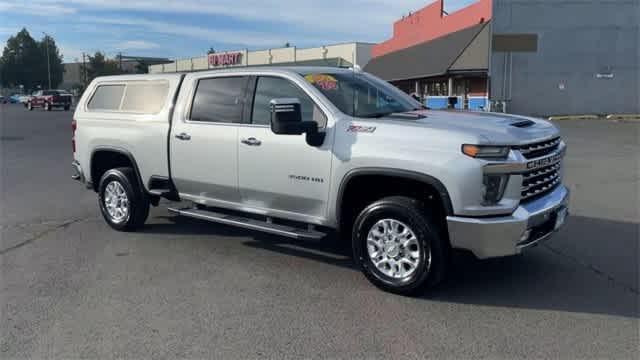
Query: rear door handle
{"points": [[183, 136], [251, 141]]}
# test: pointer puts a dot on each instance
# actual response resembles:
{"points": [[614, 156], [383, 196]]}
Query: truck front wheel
{"points": [[124, 206], [398, 246]]}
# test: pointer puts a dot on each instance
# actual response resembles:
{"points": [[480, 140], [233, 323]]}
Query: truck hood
{"points": [[492, 128]]}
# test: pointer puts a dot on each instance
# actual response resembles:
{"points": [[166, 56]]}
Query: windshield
{"points": [[361, 95]]}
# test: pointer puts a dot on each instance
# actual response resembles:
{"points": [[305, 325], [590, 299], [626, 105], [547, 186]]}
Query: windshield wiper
{"points": [[391, 113], [377, 115]]}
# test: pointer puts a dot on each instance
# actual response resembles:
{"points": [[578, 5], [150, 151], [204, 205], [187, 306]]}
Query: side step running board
{"points": [[159, 192], [247, 223]]}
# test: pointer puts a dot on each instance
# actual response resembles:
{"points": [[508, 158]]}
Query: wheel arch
{"points": [[397, 174], [115, 156]]}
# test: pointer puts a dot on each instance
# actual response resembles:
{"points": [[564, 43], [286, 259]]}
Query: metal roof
{"points": [[432, 58]]}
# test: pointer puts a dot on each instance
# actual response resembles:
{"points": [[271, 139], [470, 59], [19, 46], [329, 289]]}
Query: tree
{"points": [[100, 65], [24, 62], [211, 51], [48, 45]]}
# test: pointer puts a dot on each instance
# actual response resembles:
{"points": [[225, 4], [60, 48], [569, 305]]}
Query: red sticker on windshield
{"points": [[323, 81]]}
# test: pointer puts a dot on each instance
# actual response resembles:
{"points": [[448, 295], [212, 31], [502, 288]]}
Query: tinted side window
{"points": [[219, 100], [269, 88], [106, 97], [148, 98]]}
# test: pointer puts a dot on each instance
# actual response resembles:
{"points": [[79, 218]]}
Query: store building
{"points": [[340, 55], [554, 57], [435, 55], [543, 57]]}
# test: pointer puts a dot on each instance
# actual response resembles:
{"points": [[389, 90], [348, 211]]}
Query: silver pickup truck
{"points": [[304, 151]]}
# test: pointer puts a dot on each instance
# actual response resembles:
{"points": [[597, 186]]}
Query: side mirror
{"points": [[286, 119]]}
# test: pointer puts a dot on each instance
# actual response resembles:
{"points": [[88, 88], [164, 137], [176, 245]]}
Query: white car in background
{"points": [[24, 99]]}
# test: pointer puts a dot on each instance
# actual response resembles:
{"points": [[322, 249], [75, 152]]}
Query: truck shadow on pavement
{"points": [[591, 266]]}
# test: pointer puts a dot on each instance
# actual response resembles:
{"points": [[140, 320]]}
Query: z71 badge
{"points": [[362, 129]]}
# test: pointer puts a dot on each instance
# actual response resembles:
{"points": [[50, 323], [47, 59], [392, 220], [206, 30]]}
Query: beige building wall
{"points": [[200, 63], [184, 65], [358, 53], [261, 57], [283, 55]]}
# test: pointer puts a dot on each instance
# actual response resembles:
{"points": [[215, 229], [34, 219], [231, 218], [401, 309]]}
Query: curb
{"points": [[573, 117], [624, 117]]}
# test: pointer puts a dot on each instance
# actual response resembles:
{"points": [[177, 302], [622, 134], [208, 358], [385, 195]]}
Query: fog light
{"points": [[494, 186]]}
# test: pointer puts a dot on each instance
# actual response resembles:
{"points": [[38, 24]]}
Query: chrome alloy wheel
{"points": [[394, 249], [116, 202]]}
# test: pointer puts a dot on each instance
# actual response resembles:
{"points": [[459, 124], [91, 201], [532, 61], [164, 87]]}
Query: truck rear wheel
{"points": [[124, 206], [398, 246]]}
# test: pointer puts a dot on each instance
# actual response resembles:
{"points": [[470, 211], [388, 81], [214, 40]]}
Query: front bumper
{"points": [[530, 224]]}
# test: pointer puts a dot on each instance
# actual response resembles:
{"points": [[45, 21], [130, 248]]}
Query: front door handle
{"points": [[183, 136], [251, 141]]}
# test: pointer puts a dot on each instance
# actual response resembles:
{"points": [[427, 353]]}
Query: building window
{"points": [[437, 88]]}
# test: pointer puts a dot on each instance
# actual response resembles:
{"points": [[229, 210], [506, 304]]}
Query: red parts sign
{"points": [[224, 59]]}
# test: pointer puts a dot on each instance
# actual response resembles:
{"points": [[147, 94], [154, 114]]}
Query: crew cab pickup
{"points": [[304, 152], [49, 99]]}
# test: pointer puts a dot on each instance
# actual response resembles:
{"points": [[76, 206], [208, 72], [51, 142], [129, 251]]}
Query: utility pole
{"points": [[120, 61], [46, 38], [84, 72]]}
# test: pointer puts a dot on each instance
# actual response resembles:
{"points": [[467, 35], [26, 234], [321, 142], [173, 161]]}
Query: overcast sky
{"points": [[184, 28]]}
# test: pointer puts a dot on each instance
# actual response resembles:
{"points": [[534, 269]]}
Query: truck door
{"points": [[282, 174], [204, 143]]}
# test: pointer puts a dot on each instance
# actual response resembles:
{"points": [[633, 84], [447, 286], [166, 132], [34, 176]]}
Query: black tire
{"points": [[29, 106], [429, 239], [47, 106], [138, 200], [67, 107]]}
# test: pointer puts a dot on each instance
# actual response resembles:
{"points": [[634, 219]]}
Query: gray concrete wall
{"points": [[587, 61]]}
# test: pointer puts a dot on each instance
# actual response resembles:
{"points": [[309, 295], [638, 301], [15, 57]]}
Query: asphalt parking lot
{"points": [[70, 287]]}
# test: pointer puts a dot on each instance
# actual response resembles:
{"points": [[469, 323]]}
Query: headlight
{"points": [[486, 152], [493, 189]]}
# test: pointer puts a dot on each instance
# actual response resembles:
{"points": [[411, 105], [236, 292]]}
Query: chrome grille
{"points": [[538, 149], [540, 181]]}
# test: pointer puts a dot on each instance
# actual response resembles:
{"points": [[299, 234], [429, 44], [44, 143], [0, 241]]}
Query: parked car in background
{"points": [[49, 99], [23, 99], [15, 98]]}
